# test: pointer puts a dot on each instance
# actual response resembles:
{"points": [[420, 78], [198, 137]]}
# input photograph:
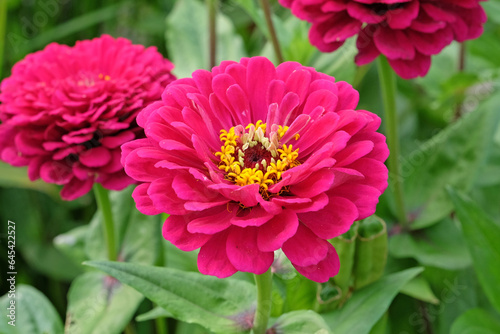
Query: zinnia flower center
{"points": [[382, 8], [249, 156]]}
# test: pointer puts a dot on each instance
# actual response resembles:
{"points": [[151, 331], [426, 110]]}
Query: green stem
{"points": [[272, 32], [264, 284], [212, 30], [388, 87], [102, 198], [161, 326], [359, 75], [129, 329], [3, 24], [461, 67]]}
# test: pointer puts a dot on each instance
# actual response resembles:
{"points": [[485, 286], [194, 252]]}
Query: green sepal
{"points": [[371, 251]]}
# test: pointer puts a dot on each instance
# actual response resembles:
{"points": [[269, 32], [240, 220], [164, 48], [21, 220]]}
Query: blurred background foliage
{"points": [[449, 133]]}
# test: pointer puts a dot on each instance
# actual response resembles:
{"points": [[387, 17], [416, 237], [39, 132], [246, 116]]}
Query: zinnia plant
{"points": [[65, 111], [250, 158], [407, 32]]}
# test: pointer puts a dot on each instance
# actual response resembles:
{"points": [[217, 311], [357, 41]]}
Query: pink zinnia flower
{"points": [[66, 110], [249, 158], [407, 32]]}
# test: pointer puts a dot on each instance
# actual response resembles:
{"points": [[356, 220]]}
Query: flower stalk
{"points": [[212, 30], [388, 87], [264, 284], [272, 32], [104, 205]]}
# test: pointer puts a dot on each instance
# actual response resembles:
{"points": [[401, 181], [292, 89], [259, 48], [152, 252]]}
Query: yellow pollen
{"points": [[105, 77], [249, 156]]}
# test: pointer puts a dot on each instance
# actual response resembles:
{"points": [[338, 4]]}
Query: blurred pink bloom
{"points": [[407, 32], [66, 110], [249, 158]]}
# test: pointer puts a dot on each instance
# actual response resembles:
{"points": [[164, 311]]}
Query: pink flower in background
{"points": [[251, 158], [407, 32], [66, 110]]}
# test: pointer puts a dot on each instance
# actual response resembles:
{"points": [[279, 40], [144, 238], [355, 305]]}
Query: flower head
{"points": [[407, 32], [66, 110], [250, 158]]}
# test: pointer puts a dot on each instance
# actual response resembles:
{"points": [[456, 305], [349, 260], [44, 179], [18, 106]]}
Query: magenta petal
{"points": [[311, 205], [188, 188], [175, 231], [76, 188], [143, 201], [367, 50], [243, 252], [255, 216], [315, 184], [394, 44], [333, 220], [210, 223], [115, 181], [353, 152], [56, 172], [212, 258], [305, 248], [164, 198], [363, 196], [116, 141], [259, 74], [322, 271], [409, 69], [275, 232]]}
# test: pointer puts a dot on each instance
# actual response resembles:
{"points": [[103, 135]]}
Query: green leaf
{"points": [[366, 306], [72, 243], [157, 312], [300, 293], [99, 304], [191, 297], [33, 312], [452, 157], [187, 38], [420, 289], [299, 322], [138, 235], [381, 326], [441, 245], [482, 235], [476, 321], [72, 26], [18, 177]]}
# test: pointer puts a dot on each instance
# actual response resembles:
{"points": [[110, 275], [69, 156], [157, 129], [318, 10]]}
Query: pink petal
{"points": [[333, 220], [275, 232], [394, 44], [96, 157], [305, 248], [175, 231], [143, 201], [409, 69], [76, 188], [164, 197], [213, 221], [363, 196], [243, 253], [213, 260], [255, 216], [322, 271], [56, 172], [315, 184]]}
